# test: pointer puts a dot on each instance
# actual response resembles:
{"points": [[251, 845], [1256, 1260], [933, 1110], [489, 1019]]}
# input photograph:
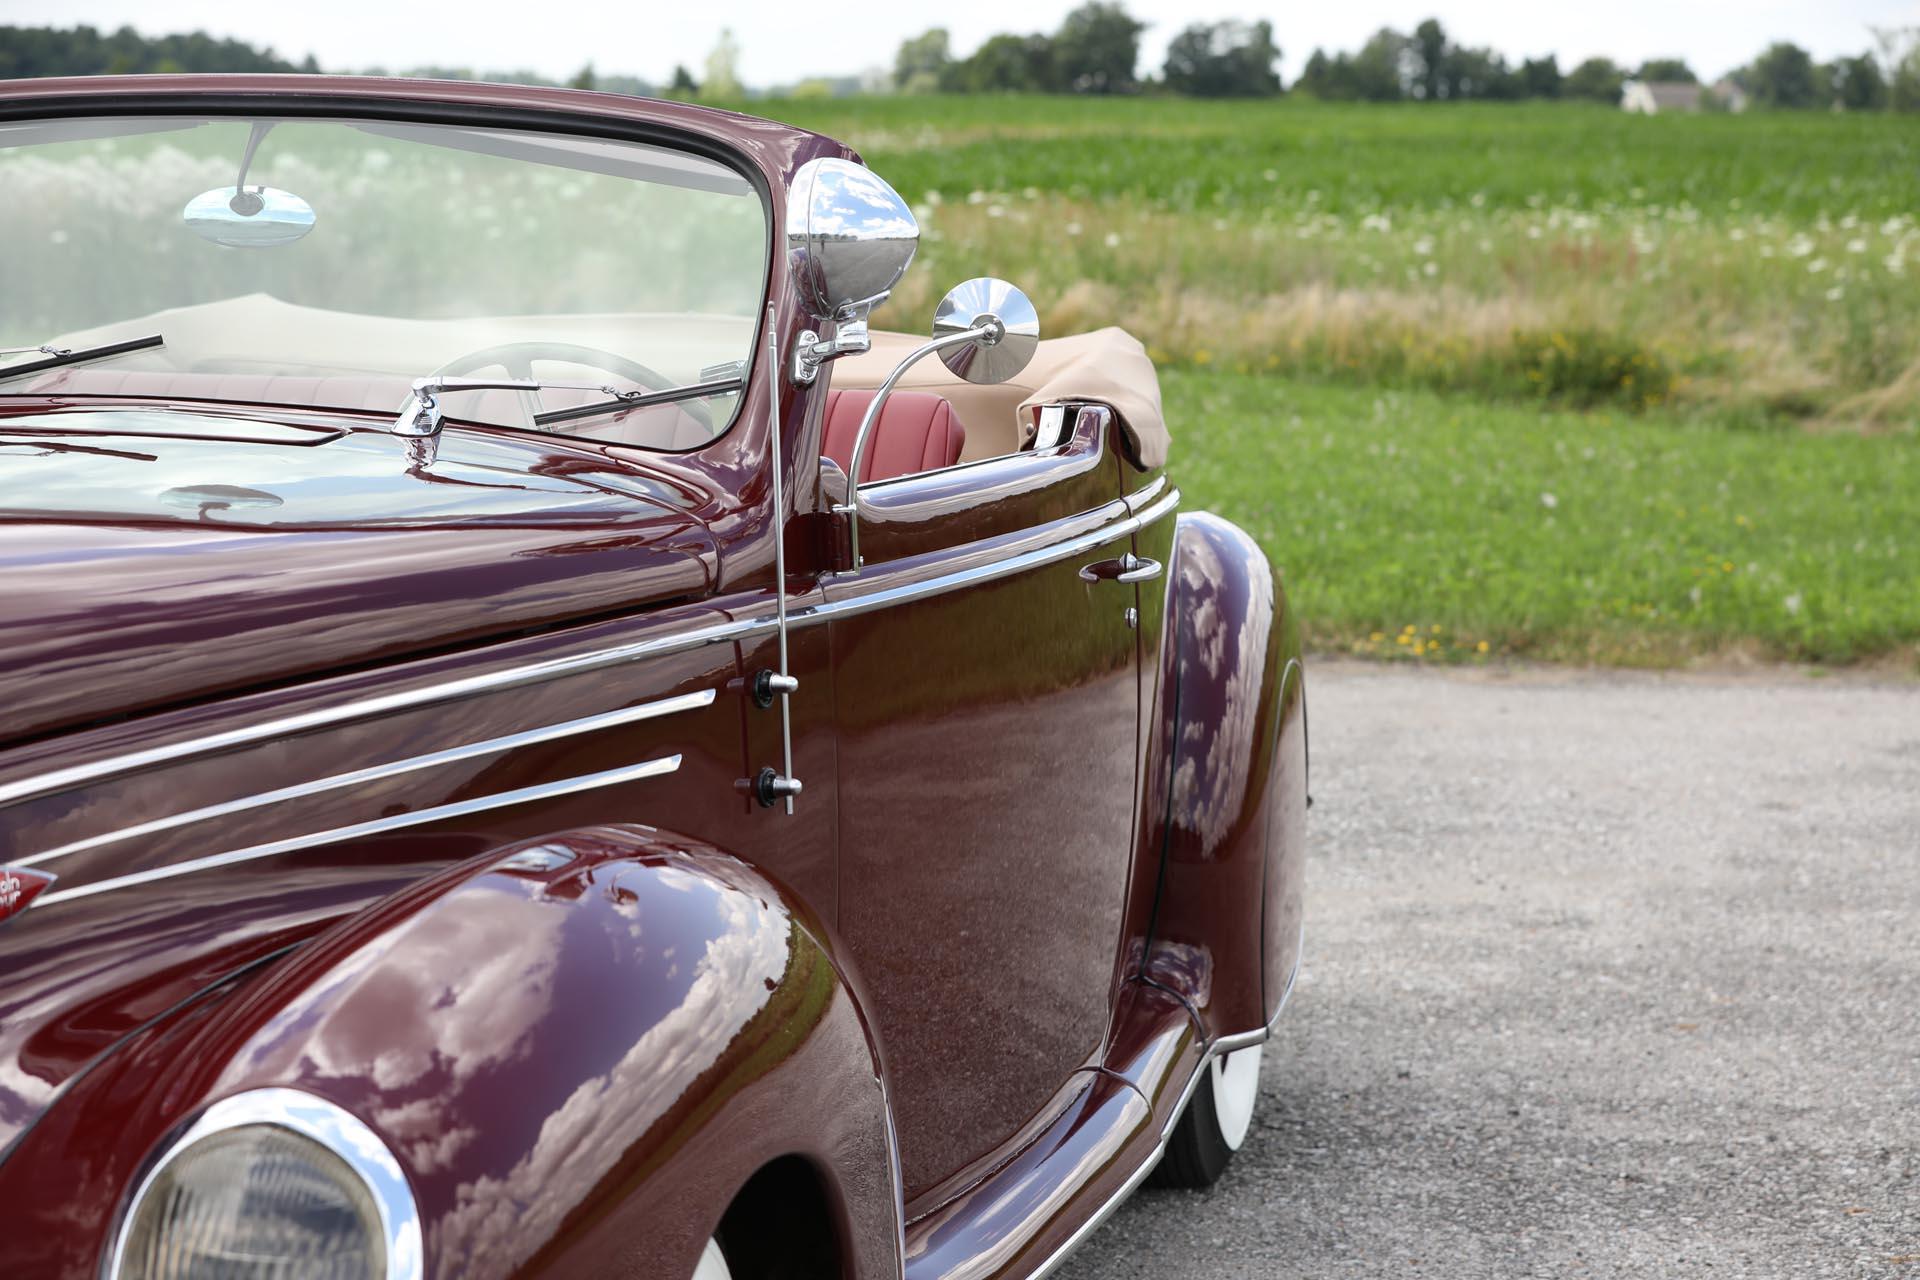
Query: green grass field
{"points": [[1554, 380], [1413, 524], [1749, 269]]}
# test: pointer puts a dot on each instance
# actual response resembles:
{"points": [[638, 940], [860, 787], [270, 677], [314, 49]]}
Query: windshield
{"points": [[331, 263]]}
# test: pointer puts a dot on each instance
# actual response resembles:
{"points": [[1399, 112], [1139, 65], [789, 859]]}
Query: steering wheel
{"points": [[517, 359]]}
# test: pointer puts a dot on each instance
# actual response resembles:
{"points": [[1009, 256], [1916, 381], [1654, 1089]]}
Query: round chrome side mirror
{"points": [[1008, 315], [851, 235]]}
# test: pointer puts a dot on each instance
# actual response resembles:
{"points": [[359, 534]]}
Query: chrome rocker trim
{"points": [[377, 826], [320, 1121], [1221, 1046]]}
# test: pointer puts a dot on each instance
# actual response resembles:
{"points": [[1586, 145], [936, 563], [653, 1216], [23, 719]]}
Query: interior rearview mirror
{"points": [[248, 217]]}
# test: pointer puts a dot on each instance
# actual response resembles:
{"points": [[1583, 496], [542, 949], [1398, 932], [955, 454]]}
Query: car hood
{"points": [[155, 557]]}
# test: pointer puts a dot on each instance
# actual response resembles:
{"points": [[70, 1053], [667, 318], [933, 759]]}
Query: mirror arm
{"points": [[990, 329], [850, 338]]}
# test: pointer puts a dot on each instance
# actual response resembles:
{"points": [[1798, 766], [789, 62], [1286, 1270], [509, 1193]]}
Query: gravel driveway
{"points": [[1606, 975]]}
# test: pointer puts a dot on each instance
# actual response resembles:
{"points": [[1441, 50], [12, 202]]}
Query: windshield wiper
{"points": [[58, 356], [421, 417], [641, 399]]}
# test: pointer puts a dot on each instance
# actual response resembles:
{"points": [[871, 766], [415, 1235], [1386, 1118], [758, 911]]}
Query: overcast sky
{"points": [[782, 41]]}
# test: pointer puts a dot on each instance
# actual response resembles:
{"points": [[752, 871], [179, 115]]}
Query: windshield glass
{"points": [[330, 263]]}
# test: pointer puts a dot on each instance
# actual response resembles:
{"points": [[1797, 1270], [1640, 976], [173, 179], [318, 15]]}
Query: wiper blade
{"points": [[640, 400], [58, 356]]}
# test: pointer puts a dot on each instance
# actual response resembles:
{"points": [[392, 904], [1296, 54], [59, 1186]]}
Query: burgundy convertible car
{"points": [[536, 744]]}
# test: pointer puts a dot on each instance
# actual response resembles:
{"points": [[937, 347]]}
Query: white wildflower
{"points": [[1792, 603], [1423, 247], [1548, 501], [1856, 245], [1113, 239]]}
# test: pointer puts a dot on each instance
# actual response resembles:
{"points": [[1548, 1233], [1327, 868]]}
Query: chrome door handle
{"points": [[1128, 568]]}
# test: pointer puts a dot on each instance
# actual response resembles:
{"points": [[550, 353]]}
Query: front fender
{"points": [[1224, 800], [580, 1049]]}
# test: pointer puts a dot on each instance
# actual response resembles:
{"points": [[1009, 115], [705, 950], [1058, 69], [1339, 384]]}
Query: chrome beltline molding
{"points": [[1065, 548], [1125, 521], [377, 826], [373, 773]]}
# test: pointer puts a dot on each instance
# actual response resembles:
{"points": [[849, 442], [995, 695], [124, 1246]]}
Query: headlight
{"points": [[271, 1183]]}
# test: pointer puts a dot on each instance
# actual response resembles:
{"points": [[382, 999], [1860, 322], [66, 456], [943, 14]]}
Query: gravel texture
{"points": [[1606, 975]]}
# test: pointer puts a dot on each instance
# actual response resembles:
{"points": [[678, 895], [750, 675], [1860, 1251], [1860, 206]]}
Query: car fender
{"points": [[1224, 796], [579, 1048]]}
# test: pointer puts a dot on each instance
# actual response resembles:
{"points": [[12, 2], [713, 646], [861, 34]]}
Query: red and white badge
{"points": [[19, 887]]}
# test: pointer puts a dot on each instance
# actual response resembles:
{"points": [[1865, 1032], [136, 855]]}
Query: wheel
{"points": [[713, 1264], [1215, 1123]]}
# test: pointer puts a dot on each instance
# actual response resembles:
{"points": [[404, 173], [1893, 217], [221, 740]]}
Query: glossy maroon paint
{"points": [[1009, 820]]}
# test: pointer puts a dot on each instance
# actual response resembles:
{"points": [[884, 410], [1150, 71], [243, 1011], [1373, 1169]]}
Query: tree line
{"points": [[29, 52], [1096, 50]]}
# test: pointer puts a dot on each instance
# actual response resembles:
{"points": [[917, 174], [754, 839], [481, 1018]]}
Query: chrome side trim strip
{"points": [[373, 773], [366, 708], [573, 664], [319, 1121], [1145, 493], [377, 826]]}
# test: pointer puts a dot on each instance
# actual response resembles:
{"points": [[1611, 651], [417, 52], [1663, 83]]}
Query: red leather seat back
{"points": [[917, 431]]}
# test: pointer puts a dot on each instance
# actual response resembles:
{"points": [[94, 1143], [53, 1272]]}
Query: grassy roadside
{"points": [[1433, 527]]}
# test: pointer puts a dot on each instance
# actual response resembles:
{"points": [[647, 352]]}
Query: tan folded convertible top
{"points": [[1107, 366]]}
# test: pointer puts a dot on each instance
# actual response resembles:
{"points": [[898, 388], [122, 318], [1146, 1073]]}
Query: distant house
{"points": [[1651, 97], [1731, 96]]}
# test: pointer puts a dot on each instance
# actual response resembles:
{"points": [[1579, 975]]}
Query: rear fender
{"points": [[579, 1048], [1224, 799]]}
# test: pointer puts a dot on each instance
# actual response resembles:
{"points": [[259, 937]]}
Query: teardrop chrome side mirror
{"points": [[851, 235], [1011, 323]]}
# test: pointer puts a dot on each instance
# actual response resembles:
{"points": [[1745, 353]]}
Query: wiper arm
{"points": [[641, 399], [58, 356], [420, 418]]}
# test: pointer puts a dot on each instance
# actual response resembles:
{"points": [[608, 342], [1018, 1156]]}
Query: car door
{"points": [[985, 690]]}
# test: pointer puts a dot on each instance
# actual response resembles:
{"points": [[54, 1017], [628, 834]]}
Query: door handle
{"points": [[1128, 568]]}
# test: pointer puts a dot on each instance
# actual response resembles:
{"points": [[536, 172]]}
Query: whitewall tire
{"points": [[713, 1265], [1216, 1122]]}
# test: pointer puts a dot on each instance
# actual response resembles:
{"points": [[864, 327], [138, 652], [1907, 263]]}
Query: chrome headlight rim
{"points": [[314, 1118]]}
